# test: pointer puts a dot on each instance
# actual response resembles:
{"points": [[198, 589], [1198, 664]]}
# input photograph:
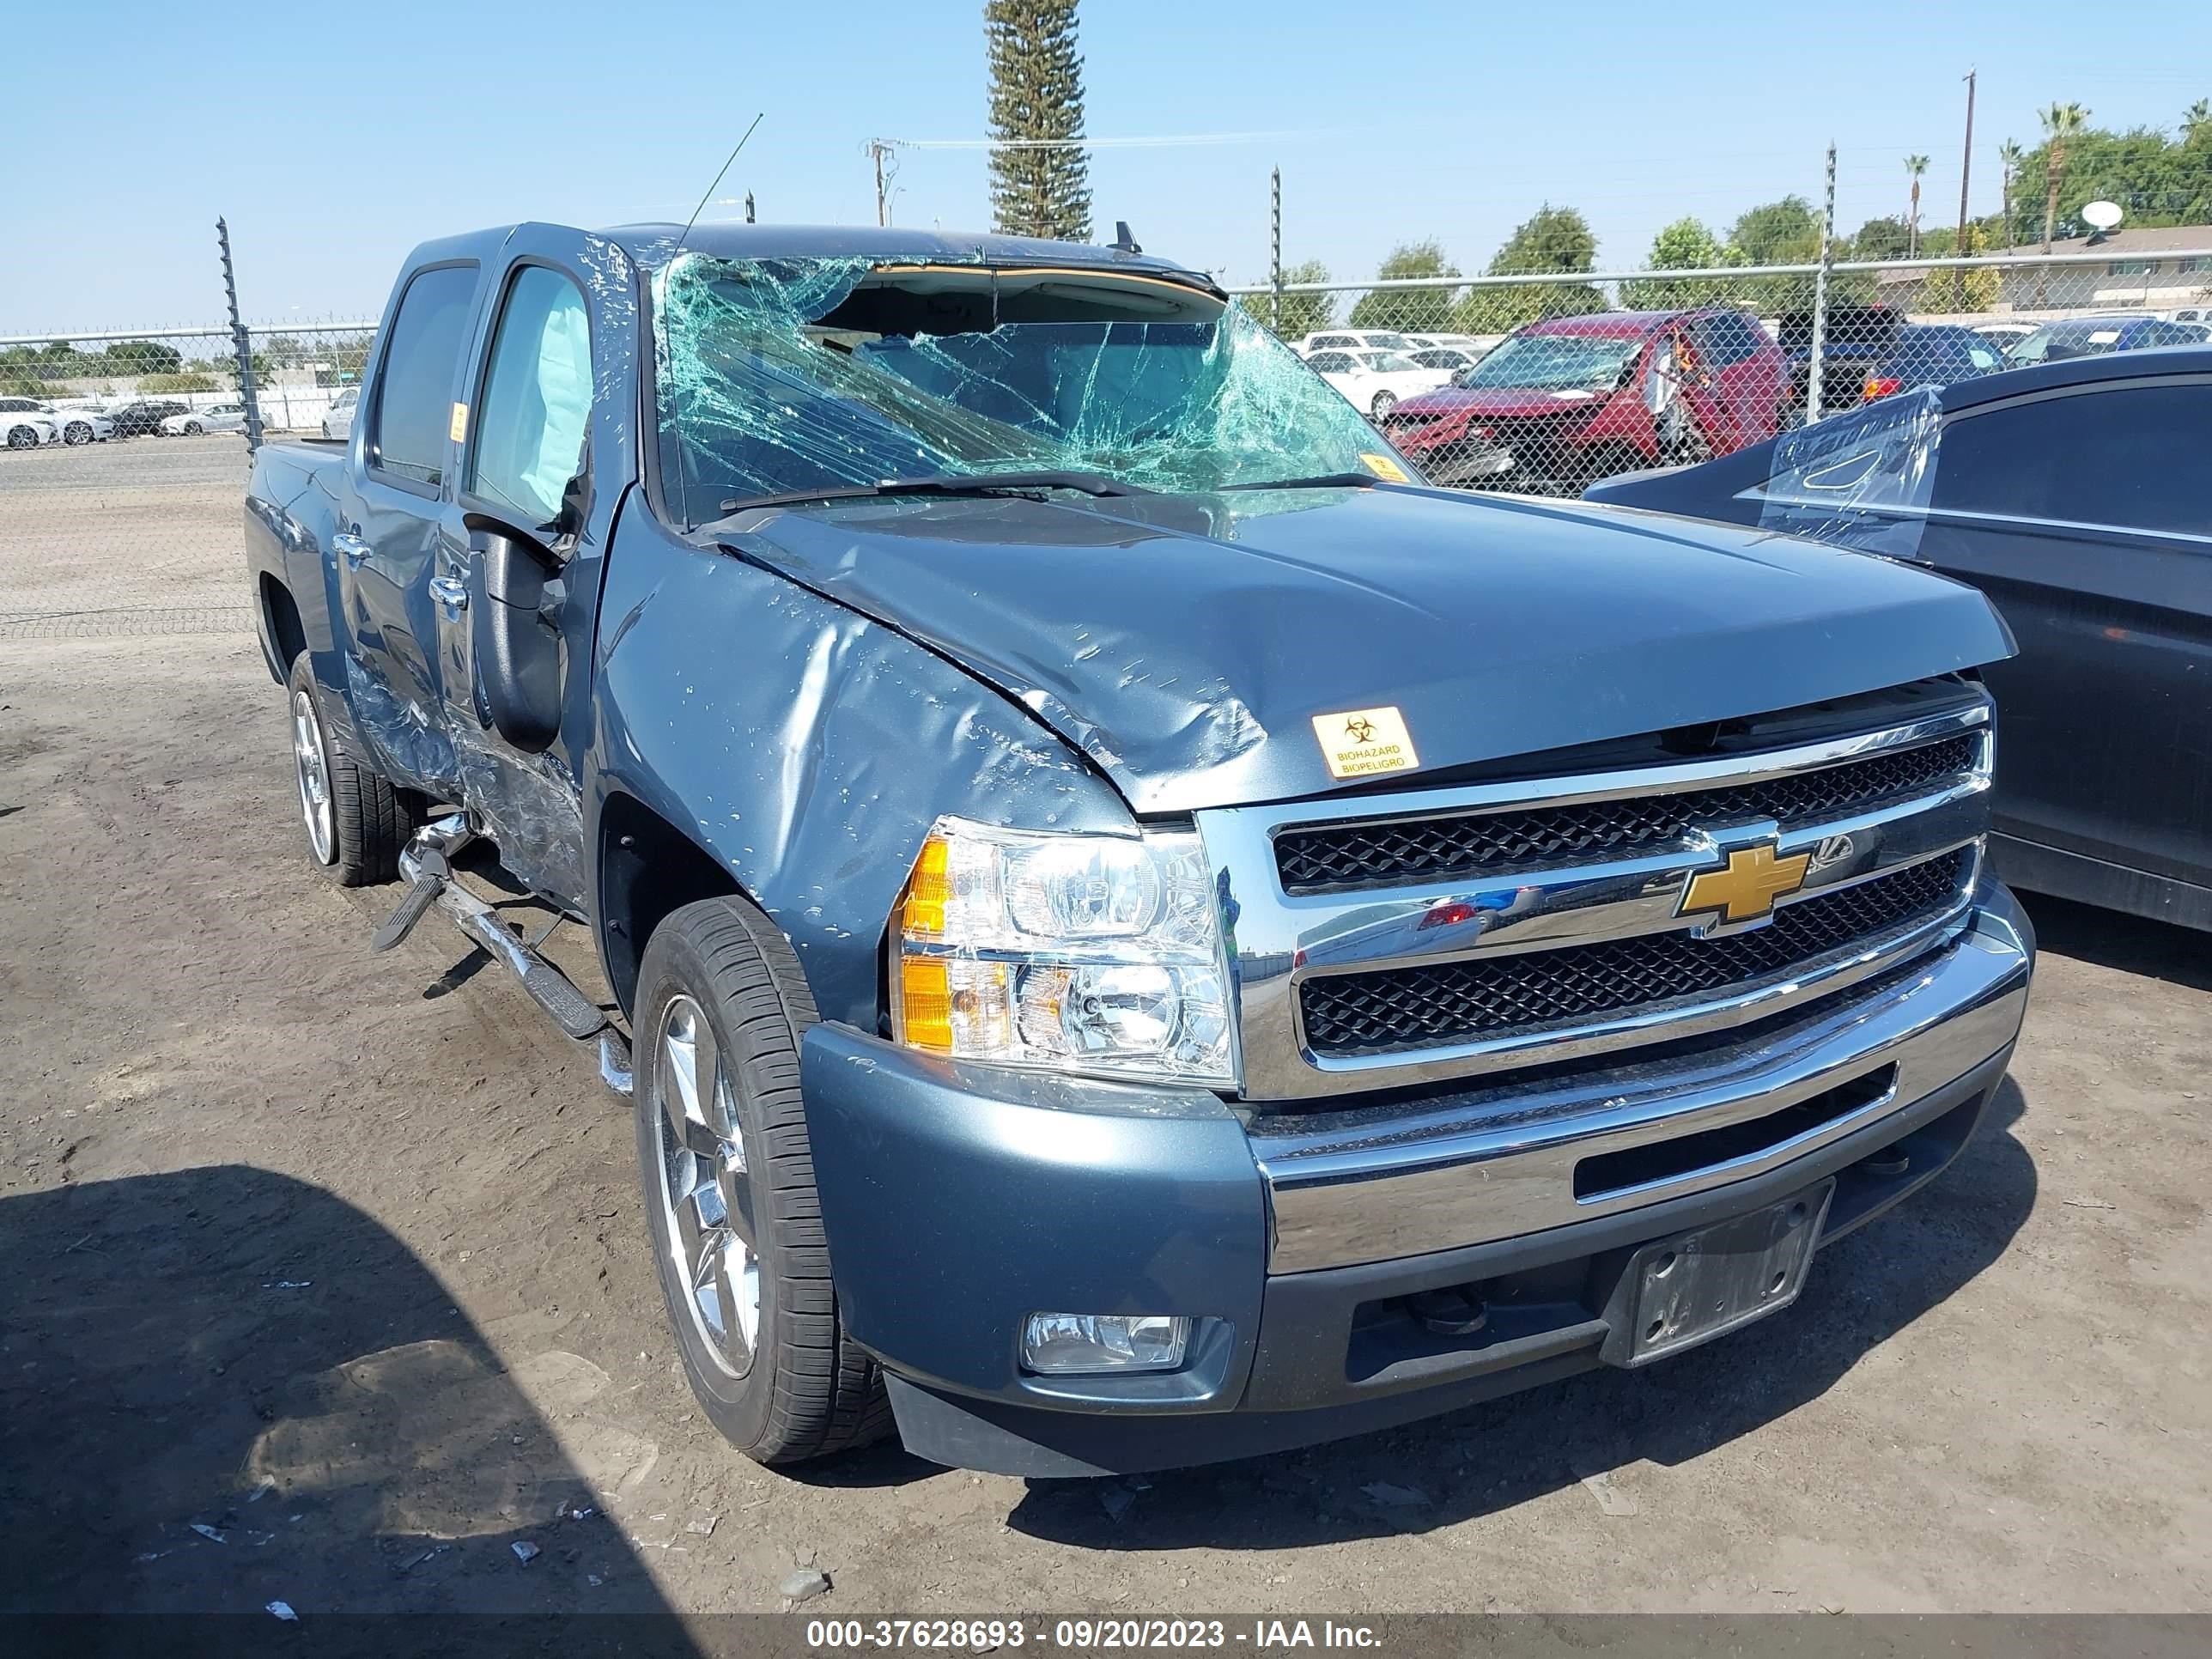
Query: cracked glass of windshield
{"points": [[788, 375]]}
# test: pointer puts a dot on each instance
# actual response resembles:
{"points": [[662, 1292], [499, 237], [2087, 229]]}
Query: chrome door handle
{"points": [[350, 547], [452, 594]]}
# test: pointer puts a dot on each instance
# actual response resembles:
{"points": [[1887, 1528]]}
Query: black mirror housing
{"points": [[516, 645]]}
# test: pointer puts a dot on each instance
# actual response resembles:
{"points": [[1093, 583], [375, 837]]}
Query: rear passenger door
{"points": [[396, 508], [2083, 513]]}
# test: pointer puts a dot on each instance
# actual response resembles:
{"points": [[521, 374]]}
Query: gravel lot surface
{"points": [[327, 1276]]}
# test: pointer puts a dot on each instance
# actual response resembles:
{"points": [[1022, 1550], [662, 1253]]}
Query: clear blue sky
{"points": [[336, 138]]}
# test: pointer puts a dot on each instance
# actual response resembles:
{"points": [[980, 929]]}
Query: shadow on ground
{"points": [[2130, 945], [1862, 1290], [223, 1388]]}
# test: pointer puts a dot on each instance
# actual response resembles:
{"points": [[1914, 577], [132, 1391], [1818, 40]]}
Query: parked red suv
{"points": [[1561, 403]]}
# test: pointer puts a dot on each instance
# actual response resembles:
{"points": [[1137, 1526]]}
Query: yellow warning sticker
{"points": [[1384, 468], [458, 427], [1362, 742]]}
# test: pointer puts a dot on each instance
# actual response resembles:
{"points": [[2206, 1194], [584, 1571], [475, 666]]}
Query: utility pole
{"points": [[749, 207], [1275, 242], [1966, 173], [1820, 293], [876, 148]]}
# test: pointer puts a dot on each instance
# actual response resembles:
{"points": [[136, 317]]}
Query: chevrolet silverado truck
{"points": [[1136, 931]]}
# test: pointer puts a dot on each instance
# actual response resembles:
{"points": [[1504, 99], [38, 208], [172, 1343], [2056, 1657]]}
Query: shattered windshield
{"points": [[1552, 363], [785, 375]]}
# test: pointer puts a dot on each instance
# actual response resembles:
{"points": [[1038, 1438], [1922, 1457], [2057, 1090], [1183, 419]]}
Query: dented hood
{"points": [[1187, 643]]}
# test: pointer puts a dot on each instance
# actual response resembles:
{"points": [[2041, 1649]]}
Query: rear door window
{"points": [[2130, 458], [414, 415]]}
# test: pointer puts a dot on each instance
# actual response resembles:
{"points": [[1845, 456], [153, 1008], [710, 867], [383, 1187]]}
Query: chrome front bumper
{"points": [[1380, 1182]]}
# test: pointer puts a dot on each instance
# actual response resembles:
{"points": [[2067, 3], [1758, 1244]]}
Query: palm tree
{"points": [[2196, 115], [1914, 166], [2009, 156], [2060, 123]]}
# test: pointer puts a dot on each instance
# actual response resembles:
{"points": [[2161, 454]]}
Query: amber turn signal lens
{"points": [[926, 1003], [927, 891]]}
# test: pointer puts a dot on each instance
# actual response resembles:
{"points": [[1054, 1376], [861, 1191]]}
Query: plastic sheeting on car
{"points": [[765, 389], [1860, 480]]}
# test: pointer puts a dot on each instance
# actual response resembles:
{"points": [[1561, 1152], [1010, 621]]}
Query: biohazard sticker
{"points": [[1362, 742]]}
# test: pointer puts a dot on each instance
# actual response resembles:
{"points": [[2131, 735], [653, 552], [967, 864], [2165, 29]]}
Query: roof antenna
{"points": [[712, 188], [1123, 241]]}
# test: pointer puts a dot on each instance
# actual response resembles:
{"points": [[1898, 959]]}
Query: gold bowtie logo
{"points": [[1747, 889]]}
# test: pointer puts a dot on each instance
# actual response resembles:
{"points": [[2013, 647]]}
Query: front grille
{"points": [[1340, 856], [1350, 1014]]}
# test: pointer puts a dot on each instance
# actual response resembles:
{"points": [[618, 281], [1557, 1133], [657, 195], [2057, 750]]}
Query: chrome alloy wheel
{"points": [[706, 1195], [312, 764]]}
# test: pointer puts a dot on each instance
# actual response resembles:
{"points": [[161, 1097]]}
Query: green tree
{"points": [[1302, 313], [143, 357], [2009, 156], [1973, 290], [2196, 117], [1783, 233], [1553, 239], [1915, 168], [2061, 123], [1881, 239], [1040, 181], [1687, 245], [1418, 308]]}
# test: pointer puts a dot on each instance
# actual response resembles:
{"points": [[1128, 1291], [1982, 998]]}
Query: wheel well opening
{"points": [[286, 635], [647, 868]]}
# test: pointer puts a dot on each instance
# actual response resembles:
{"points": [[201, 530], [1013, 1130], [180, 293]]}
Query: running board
{"points": [[425, 866]]}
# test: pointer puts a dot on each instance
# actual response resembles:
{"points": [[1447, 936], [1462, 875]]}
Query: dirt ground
{"points": [[325, 1275]]}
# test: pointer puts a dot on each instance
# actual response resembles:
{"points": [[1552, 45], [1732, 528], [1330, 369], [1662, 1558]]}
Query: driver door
{"points": [[525, 467]]}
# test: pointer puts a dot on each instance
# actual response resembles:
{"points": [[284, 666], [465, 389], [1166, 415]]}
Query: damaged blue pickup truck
{"points": [[1138, 932]]}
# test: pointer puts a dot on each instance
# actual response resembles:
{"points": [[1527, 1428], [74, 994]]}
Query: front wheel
{"points": [[22, 437], [357, 823], [729, 1189], [193, 428], [1384, 404]]}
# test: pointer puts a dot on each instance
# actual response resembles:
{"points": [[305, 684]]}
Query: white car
{"points": [[2006, 334], [1351, 339], [25, 424], [1374, 381], [81, 423], [339, 423], [216, 417]]}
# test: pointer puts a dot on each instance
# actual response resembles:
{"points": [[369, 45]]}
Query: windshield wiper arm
{"points": [[1321, 481], [945, 483]]}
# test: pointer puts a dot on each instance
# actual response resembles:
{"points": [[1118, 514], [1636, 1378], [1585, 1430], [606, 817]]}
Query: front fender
{"points": [[805, 748]]}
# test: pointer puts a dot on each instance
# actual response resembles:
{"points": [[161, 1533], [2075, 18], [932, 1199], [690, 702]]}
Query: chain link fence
{"points": [[1542, 383], [121, 461]]}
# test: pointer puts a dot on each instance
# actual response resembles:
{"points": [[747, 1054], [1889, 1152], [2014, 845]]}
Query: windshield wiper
{"points": [[945, 483], [1320, 481]]}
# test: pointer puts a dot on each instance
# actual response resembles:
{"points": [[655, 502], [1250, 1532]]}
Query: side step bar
{"points": [[427, 866]]}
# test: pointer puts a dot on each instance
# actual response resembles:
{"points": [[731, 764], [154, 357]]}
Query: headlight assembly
{"points": [[1074, 953]]}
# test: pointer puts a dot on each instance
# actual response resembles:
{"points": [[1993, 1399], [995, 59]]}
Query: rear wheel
{"points": [[77, 432], [356, 821], [729, 1189], [1384, 404]]}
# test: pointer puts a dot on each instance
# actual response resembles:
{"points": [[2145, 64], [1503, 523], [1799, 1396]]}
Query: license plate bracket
{"points": [[1680, 1291]]}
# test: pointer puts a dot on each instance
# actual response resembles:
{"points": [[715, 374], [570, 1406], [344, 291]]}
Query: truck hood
{"points": [[1187, 643]]}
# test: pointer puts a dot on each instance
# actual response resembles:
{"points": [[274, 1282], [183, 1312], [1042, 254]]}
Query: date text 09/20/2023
{"points": [[987, 1634]]}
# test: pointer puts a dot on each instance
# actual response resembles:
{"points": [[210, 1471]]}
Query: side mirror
{"points": [[517, 648]]}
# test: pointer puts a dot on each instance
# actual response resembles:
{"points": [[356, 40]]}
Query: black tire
{"points": [[193, 428], [77, 433], [805, 1391], [369, 819], [22, 437], [1382, 403]]}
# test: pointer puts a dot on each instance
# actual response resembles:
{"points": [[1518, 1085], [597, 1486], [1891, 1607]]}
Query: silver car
{"points": [[339, 423], [216, 417]]}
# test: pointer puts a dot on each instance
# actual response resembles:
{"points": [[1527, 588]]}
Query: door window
{"points": [[415, 390], [2130, 458], [536, 399]]}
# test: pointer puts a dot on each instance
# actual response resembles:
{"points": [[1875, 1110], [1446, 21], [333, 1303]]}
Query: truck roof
{"points": [[654, 245]]}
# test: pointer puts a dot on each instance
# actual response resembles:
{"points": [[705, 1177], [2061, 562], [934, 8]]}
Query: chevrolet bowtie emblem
{"points": [[1747, 889]]}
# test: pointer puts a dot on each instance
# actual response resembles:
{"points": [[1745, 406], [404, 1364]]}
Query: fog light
{"points": [[1060, 1344]]}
